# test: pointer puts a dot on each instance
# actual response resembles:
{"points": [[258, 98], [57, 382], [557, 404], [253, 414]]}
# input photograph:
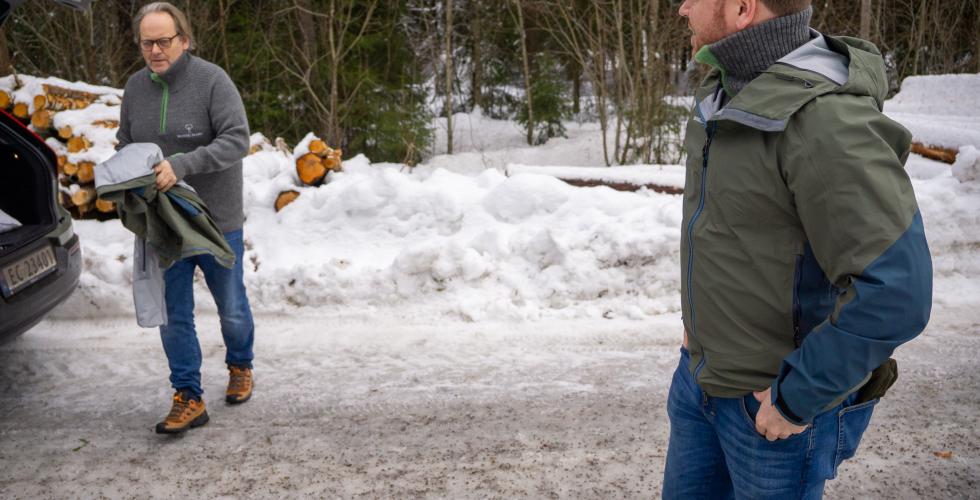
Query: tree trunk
{"points": [[476, 81], [449, 76], [866, 19], [527, 72], [5, 68]]}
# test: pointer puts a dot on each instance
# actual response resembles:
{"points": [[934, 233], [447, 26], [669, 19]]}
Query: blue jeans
{"points": [[228, 289], [716, 453]]}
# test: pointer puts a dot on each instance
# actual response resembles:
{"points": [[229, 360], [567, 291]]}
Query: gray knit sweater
{"points": [[194, 113]]}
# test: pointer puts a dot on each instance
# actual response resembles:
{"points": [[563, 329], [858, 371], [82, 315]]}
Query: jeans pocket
{"points": [[750, 410], [851, 424]]}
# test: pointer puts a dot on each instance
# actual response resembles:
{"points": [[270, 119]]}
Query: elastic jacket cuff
{"points": [[783, 408]]}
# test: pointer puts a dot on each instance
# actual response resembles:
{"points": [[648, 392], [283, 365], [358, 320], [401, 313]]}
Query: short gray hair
{"points": [[180, 20]]}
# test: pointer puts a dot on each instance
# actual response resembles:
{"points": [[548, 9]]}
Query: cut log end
{"points": [[41, 120], [319, 148], [21, 111], [310, 169], [69, 168], [105, 206], [86, 172], [65, 132], [331, 163], [5, 100], [937, 153], [285, 198], [78, 144], [84, 196]]}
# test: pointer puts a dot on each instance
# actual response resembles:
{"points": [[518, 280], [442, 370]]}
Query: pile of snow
{"points": [[967, 166], [939, 110], [457, 238], [438, 242]]}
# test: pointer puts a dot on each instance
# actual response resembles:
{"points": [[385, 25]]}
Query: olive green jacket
{"points": [[803, 256]]}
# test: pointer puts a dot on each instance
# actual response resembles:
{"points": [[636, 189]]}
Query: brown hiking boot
{"points": [[239, 384], [185, 413]]}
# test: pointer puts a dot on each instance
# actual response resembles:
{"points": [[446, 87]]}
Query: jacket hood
{"points": [[824, 65]]}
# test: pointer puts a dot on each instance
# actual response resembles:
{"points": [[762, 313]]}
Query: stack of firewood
{"points": [[78, 122], [314, 160]]}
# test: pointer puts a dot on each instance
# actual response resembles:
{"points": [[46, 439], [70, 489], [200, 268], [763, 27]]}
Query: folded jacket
{"points": [[168, 226]]}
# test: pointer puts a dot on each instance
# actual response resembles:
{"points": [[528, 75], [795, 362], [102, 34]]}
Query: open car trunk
{"points": [[27, 183]]}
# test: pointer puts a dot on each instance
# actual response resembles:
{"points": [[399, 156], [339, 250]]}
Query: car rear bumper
{"points": [[27, 307]]}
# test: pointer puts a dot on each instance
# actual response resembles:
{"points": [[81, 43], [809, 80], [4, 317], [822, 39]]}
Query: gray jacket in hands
{"points": [[168, 226]]}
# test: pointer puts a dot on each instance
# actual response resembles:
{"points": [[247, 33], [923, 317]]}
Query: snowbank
{"points": [[457, 238], [939, 110]]}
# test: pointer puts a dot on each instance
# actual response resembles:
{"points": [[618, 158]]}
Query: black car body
{"points": [[40, 261]]}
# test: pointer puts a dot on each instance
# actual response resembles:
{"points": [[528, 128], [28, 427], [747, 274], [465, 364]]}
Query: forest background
{"points": [[371, 76]]}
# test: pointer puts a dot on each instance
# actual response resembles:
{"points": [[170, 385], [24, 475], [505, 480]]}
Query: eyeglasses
{"points": [[163, 43]]}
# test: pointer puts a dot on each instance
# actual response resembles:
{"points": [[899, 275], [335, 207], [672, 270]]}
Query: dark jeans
{"points": [[716, 453], [228, 289]]}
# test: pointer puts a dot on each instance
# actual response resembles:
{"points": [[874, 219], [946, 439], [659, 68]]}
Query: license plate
{"points": [[20, 274]]}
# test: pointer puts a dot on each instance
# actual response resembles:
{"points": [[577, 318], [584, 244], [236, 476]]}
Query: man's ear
{"points": [[747, 12]]}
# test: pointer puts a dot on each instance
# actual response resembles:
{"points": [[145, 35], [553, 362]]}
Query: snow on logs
{"points": [[312, 167], [78, 122], [314, 159]]}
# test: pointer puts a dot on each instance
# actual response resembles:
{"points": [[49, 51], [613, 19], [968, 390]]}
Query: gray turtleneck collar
{"points": [[744, 55]]}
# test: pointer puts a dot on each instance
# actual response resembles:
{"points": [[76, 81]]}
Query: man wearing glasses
{"points": [[192, 110]]}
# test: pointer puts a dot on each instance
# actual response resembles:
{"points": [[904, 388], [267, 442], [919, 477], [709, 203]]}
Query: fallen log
{"points": [[310, 169], [937, 153], [86, 172], [41, 120], [78, 143], [21, 111], [84, 195], [285, 198], [623, 186], [82, 210], [106, 123], [105, 206], [69, 168], [319, 148], [59, 98]]}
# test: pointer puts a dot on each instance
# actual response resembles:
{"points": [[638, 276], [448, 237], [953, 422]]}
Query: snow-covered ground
{"points": [[452, 331]]}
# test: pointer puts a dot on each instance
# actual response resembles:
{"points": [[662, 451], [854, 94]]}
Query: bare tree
{"points": [[518, 14], [866, 19], [449, 75]]}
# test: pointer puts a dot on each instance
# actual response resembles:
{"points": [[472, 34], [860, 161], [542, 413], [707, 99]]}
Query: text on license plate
{"points": [[35, 266]]}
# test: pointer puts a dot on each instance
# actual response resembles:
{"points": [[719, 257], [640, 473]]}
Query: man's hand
{"points": [[166, 178], [769, 422]]}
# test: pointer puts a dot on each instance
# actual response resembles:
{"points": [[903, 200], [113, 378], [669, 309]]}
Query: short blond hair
{"points": [[180, 20]]}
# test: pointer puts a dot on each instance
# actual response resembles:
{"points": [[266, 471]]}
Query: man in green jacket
{"points": [[803, 256]]}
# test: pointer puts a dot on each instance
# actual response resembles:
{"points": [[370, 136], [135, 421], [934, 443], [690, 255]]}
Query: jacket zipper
{"points": [[806, 83], [164, 102], [797, 309], [710, 129]]}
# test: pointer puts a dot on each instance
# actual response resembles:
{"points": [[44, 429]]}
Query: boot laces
{"points": [[179, 407], [239, 379]]}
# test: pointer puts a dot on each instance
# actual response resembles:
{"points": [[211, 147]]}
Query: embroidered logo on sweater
{"points": [[190, 134]]}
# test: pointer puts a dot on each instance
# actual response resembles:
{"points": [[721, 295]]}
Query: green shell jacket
{"points": [[803, 256]]}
